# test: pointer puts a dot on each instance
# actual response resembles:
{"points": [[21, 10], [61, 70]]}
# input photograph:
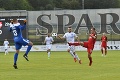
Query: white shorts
{"points": [[72, 48], [48, 47], [5, 47]]}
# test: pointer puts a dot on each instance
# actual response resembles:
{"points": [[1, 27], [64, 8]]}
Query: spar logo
{"points": [[0, 27]]}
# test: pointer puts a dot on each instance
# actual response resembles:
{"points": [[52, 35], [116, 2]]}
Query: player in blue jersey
{"points": [[19, 41]]}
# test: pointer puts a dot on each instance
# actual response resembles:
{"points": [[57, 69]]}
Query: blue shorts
{"points": [[20, 42]]}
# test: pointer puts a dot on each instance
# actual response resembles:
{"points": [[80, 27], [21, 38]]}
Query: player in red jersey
{"points": [[104, 44], [88, 44]]}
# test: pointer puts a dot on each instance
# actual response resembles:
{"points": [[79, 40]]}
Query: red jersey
{"points": [[92, 40], [104, 40]]}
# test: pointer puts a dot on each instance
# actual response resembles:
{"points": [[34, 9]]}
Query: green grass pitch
{"points": [[61, 66]]}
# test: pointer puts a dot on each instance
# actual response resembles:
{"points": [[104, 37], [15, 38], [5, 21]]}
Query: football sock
{"points": [[75, 43], [77, 57], [105, 52], [48, 54], [28, 49], [90, 59], [5, 52], [72, 54], [102, 51], [15, 58]]}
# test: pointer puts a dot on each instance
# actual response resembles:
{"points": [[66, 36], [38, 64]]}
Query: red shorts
{"points": [[104, 46], [89, 47]]}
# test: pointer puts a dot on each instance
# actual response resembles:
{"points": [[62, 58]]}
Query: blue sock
{"points": [[28, 49], [15, 58]]}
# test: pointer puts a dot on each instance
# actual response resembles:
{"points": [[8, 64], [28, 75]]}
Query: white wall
{"points": [[63, 47]]}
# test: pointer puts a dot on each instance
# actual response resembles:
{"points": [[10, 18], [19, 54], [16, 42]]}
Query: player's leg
{"points": [[89, 50], [102, 50], [15, 59], [30, 44], [5, 51], [48, 52], [105, 50], [77, 57], [17, 46], [76, 43], [71, 52], [48, 47], [89, 56]]}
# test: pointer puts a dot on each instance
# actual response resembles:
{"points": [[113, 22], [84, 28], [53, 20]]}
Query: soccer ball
{"points": [[54, 34]]}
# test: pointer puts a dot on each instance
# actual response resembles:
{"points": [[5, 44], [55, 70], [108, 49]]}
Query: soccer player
{"points": [[70, 37], [48, 40], [104, 44], [6, 45], [16, 29], [89, 44]]}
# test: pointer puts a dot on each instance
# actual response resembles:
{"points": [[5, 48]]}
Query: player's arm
{"points": [[77, 38], [44, 41], [24, 26], [10, 28], [62, 38], [52, 40], [94, 37]]}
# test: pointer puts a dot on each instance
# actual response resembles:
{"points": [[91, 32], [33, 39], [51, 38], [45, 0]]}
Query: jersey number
{"points": [[15, 32]]}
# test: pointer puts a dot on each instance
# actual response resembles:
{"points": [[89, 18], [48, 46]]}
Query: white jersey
{"points": [[6, 43], [48, 40], [70, 37]]}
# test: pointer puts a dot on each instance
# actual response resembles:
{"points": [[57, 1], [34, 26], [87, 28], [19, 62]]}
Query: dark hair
{"points": [[14, 19], [93, 28], [69, 27]]}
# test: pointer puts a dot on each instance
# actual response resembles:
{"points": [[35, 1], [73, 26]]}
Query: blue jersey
{"points": [[17, 30]]}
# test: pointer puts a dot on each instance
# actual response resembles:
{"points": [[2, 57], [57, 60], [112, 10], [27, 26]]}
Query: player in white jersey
{"points": [[48, 40], [6, 45], [70, 37]]}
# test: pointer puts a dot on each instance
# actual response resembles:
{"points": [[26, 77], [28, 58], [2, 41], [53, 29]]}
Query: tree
{"points": [[37, 4], [15, 5], [101, 4]]}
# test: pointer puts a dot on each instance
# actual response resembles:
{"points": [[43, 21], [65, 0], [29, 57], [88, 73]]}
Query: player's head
{"points": [[15, 20], [69, 29], [5, 39], [93, 30], [104, 34], [48, 34]]}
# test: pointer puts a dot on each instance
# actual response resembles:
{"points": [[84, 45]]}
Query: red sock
{"points": [[75, 43]]}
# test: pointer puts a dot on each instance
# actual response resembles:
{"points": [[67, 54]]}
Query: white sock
{"points": [[5, 52], [77, 56], [72, 54], [48, 54]]}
